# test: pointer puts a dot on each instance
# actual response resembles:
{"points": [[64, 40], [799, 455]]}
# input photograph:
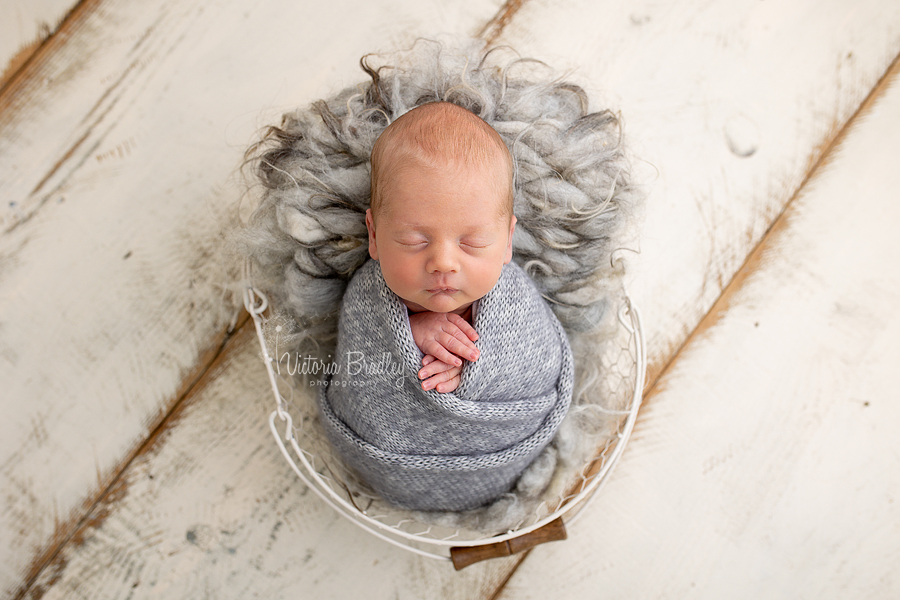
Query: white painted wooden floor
{"points": [[135, 461], [24, 25]]}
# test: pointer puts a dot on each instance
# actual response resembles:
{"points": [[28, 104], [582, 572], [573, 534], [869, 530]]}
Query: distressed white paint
{"points": [[693, 79], [188, 82], [25, 22], [213, 511], [117, 159], [769, 464]]}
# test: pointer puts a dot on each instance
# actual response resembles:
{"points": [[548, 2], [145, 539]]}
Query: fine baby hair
{"points": [[463, 140], [573, 198]]}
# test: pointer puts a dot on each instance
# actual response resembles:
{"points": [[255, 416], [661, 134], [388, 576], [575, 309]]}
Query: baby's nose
{"points": [[443, 259]]}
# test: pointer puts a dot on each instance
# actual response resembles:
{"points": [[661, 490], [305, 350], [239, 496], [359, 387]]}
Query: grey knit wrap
{"points": [[424, 450]]}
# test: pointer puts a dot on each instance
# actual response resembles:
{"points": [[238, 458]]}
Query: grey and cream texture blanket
{"points": [[449, 452], [574, 197]]}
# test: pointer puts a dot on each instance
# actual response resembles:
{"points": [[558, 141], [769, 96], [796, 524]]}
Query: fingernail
{"points": [[457, 362]]}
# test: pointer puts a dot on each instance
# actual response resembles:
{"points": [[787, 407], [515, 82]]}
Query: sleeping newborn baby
{"points": [[454, 373]]}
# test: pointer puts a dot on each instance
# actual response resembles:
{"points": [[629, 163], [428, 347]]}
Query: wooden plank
{"points": [[117, 172], [152, 535], [73, 569], [727, 105], [24, 25], [767, 464]]}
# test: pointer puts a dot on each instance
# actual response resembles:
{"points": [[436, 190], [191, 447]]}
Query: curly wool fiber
{"points": [[572, 183]]}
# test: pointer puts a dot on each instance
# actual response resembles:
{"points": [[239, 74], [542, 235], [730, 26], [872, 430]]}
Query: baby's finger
{"points": [[441, 352], [434, 368], [464, 325], [448, 386], [440, 379], [460, 347], [450, 328], [460, 335]]}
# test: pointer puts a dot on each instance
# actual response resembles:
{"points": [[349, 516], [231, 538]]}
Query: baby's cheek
{"points": [[400, 277], [487, 278]]}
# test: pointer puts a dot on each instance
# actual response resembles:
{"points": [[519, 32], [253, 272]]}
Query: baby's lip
{"points": [[442, 290]]}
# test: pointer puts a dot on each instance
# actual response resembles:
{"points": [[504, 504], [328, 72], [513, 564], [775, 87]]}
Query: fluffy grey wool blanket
{"points": [[574, 200], [424, 450]]}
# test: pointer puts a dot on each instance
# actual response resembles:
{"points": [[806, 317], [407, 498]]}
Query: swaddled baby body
{"points": [[456, 374]]}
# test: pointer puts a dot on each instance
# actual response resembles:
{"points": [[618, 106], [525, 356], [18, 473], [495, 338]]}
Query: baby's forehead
{"points": [[443, 137], [470, 156], [413, 158], [412, 165]]}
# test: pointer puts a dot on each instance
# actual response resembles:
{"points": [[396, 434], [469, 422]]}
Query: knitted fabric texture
{"points": [[424, 450]]}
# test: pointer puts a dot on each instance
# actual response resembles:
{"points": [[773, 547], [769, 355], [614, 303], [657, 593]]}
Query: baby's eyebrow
{"points": [[479, 233], [402, 227]]}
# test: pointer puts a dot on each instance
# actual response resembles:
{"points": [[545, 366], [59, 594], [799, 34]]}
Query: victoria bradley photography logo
{"points": [[343, 370]]}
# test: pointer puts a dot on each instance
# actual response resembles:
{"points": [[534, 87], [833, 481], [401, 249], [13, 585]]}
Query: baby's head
{"points": [[441, 221]]}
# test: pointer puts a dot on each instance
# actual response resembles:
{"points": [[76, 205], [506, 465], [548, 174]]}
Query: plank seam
{"points": [[48, 557], [753, 260], [68, 21], [495, 26], [512, 571]]}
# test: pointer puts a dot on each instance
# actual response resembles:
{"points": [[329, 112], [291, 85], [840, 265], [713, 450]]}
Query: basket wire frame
{"points": [[293, 425]]}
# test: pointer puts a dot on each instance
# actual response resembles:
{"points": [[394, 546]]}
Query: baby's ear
{"points": [[370, 225], [512, 229]]}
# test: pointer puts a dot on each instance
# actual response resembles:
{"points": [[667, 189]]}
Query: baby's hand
{"points": [[446, 336], [439, 375]]}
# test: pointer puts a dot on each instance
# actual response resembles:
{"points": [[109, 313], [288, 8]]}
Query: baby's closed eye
{"points": [[412, 241], [476, 242]]}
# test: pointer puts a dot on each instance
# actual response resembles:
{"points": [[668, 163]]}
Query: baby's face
{"points": [[441, 236]]}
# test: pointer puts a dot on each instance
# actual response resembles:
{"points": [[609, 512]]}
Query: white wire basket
{"points": [[616, 395]]}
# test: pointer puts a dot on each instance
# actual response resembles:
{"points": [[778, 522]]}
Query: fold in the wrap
{"points": [[424, 450]]}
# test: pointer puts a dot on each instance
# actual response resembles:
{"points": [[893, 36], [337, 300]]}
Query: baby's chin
{"points": [[439, 303]]}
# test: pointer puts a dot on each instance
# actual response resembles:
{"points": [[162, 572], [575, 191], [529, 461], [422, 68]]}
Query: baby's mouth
{"points": [[442, 290]]}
